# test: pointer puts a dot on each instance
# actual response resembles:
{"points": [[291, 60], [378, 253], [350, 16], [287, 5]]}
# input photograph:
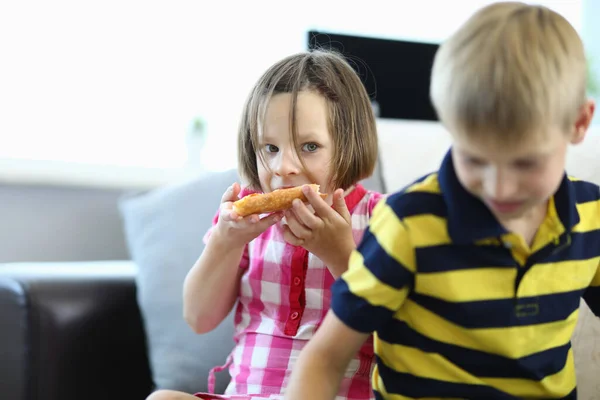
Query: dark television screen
{"points": [[396, 73]]}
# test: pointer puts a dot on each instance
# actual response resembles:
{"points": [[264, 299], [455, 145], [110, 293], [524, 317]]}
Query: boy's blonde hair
{"points": [[351, 119], [512, 69]]}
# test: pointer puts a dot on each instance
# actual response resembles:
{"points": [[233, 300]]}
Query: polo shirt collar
{"points": [[470, 220]]}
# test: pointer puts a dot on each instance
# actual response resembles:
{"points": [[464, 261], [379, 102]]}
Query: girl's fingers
{"points": [[295, 225], [231, 194], [305, 215]]}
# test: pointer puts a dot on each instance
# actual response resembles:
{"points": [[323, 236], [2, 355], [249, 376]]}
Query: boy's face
{"points": [[516, 181], [511, 181]]}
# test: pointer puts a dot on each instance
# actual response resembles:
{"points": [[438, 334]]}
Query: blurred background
{"points": [[126, 95], [116, 92]]}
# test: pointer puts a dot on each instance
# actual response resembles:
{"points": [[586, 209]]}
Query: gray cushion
{"points": [[375, 182], [164, 230]]}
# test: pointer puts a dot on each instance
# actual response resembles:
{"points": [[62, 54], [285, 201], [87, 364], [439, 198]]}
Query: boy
{"points": [[471, 277]]}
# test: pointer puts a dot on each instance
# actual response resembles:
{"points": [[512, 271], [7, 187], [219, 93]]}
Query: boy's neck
{"points": [[528, 225]]}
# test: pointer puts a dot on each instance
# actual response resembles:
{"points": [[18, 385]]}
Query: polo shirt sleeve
{"points": [[379, 276], [592, 294]]}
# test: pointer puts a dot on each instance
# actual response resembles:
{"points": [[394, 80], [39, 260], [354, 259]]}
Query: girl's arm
{"points": [[323, 362], [212, 285]]}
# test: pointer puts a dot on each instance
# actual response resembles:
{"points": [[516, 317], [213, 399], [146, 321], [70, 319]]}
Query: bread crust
{"points": [[277, 200]]}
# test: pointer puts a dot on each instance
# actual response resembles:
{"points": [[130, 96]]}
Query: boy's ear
{"points": [[583, 121]]}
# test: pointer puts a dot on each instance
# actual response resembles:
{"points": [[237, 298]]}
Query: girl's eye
{"points": [[310, 147], [271, 148]]}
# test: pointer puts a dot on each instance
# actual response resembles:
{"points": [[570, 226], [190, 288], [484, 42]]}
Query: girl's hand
{"points": [[327, 233], [237, 230]]}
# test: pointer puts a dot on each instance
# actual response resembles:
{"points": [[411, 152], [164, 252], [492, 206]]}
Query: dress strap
{"points": [[211, 375]]}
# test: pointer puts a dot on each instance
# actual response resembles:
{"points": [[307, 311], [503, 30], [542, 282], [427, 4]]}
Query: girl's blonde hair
{"points": [[351, 120], [512, 69]]}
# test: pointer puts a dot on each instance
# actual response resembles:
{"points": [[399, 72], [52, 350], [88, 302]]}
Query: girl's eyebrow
{"points": [[302, 137], [266, 139], [308, 135]]}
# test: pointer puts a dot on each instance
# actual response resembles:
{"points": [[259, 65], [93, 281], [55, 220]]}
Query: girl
{"points": [[307, 120]]}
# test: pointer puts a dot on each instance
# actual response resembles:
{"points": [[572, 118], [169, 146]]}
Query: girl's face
{"points": [[282, 167]]}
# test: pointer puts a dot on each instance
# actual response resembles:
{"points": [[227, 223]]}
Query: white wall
{"points": [[119, 82], [590, 31]]}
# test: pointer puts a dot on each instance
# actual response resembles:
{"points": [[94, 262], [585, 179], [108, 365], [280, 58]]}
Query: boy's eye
{"points": [[310, 147], [271, 148], [475, 161], [525, 164]]}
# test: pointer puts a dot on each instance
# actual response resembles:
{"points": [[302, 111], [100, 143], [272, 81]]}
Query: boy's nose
{"points": [[501, 186]]}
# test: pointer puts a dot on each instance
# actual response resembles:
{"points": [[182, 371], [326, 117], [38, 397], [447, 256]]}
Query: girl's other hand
{"points": [[236, 229], [327, 233]]}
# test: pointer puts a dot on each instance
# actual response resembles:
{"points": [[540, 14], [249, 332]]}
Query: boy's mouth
{"points": [[504, 207]]}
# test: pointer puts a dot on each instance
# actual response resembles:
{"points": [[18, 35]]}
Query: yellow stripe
{"points": [[416, 362], [550, 229], [468, 284], [428, 185], [427, 230], [511, 342], [392, 236], [364, 284], [434, 366], [559, 277], [589, 214], [499, 283]]}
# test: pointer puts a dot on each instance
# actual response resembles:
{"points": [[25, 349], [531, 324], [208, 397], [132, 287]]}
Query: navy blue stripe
{"points": [[570, 396], [505, 312], [450, 257], [477, 363], [382, 265], [417, 203], [585, 191], [582, 246], [355, 311], [417, 387], [592, 298]]}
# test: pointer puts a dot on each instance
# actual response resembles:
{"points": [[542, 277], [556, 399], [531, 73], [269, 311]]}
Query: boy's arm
{"points": [[364, 299], [322, 363]]}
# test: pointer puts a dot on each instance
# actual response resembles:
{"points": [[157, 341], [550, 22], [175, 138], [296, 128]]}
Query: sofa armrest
{"points": [[71, 331]]}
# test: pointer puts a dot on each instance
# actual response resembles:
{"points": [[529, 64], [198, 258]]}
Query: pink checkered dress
{"points": [[284, 296]]}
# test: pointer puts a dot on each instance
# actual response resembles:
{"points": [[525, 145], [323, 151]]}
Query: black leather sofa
{"points": [[71, 333]]}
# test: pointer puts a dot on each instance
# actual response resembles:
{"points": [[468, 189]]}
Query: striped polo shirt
{"points": [[462, 308]]}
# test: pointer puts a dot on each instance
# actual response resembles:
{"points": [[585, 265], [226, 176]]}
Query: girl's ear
{"points": [[583, 121]]}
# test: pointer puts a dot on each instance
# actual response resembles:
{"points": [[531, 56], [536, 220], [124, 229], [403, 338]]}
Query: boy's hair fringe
{"points": [[511, 70]]}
